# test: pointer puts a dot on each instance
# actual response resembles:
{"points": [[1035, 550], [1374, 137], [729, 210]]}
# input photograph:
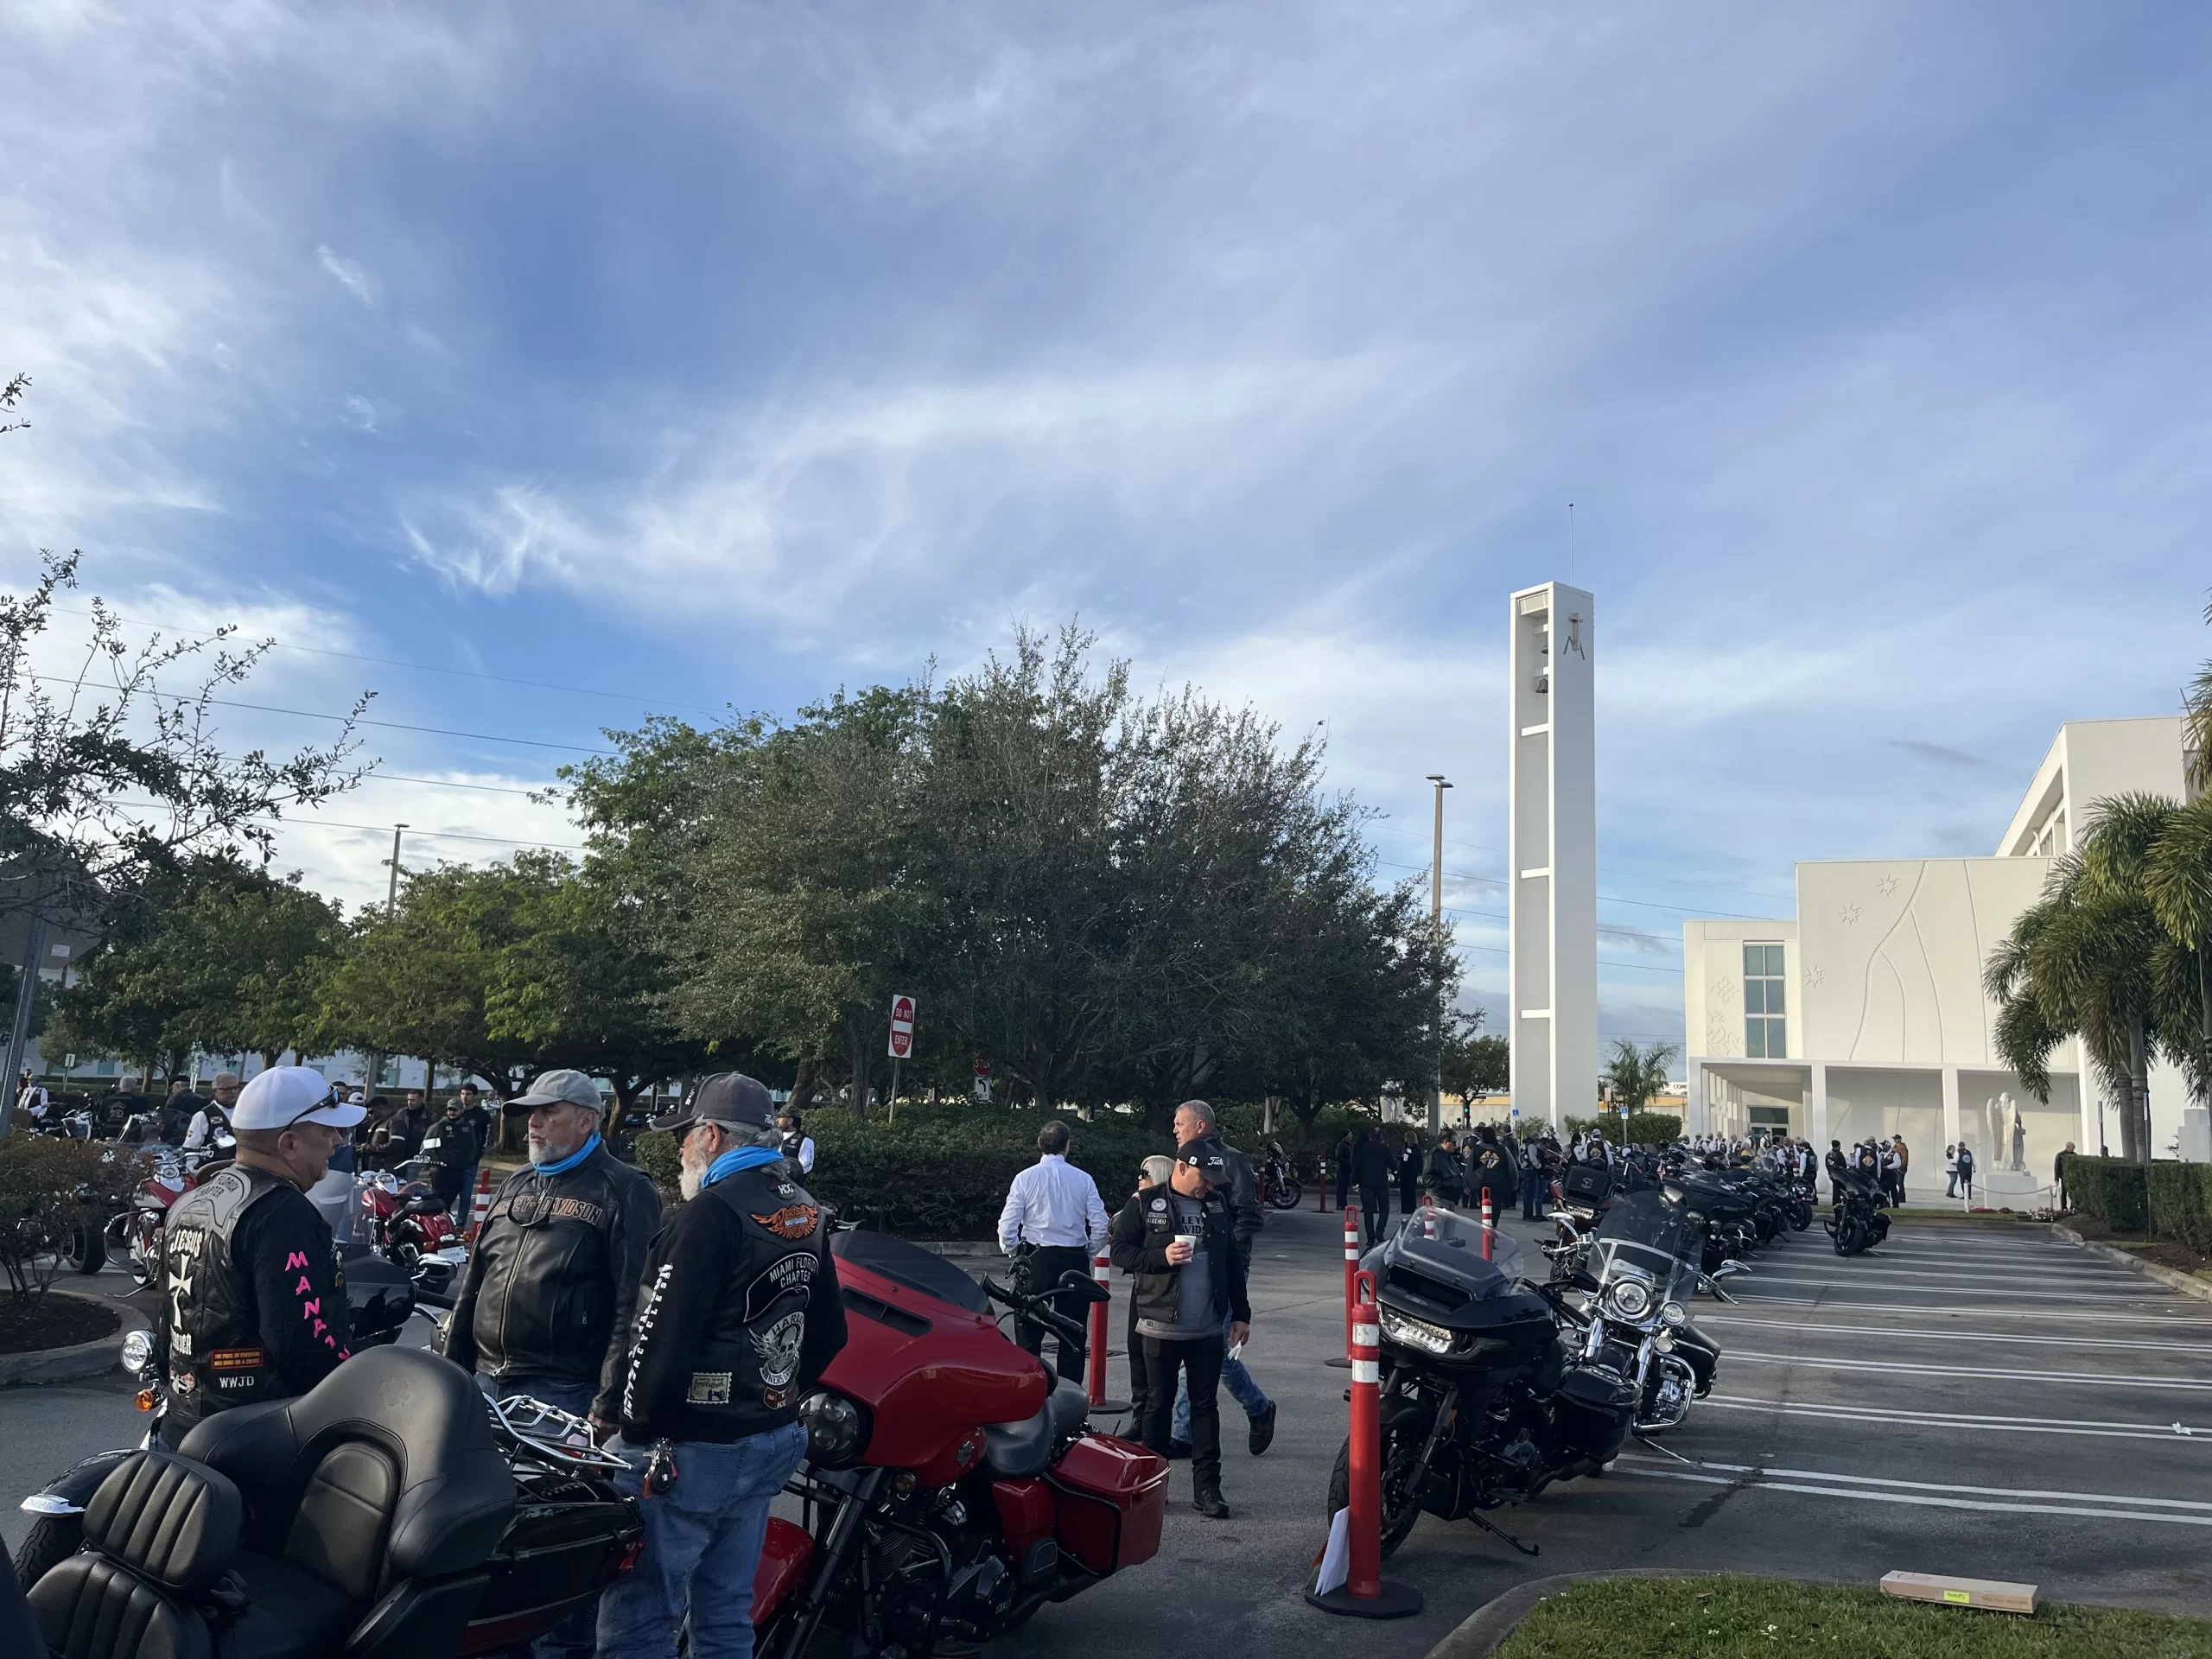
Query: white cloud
{"points": [[355, 279]]}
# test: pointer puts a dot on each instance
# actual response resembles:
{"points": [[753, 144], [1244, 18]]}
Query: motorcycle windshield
{"points": [[1653, 1234], [1461, 1243]]}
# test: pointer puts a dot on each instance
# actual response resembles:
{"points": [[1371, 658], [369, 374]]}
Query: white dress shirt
{"points": [[1053, 1202]]}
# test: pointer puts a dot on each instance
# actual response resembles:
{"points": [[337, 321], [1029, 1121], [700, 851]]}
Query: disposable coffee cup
{"points": [[1189, 1239]]}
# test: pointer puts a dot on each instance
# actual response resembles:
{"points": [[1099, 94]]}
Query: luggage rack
{"points": [[555, 1440]]}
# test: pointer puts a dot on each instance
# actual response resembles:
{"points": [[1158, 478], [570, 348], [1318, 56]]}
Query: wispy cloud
{"points": [[353, 278]]}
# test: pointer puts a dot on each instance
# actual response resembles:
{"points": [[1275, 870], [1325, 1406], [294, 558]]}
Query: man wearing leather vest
{"points": [[256, 1299], [738, 1316], [544, 1307]]}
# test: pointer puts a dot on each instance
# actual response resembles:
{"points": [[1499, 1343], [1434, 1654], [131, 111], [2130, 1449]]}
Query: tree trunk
{"points": [[802, 1086], [856, 1044]]}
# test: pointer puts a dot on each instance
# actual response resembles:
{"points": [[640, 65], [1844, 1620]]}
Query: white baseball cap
{"points": [[278, 1098]]}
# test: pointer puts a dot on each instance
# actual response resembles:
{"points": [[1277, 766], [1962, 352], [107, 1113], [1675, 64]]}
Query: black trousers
{"points": [[1373, 1211], [1199, 1359], [1044, 1267]]}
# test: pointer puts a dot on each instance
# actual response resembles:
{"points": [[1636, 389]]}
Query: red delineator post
{"points": [[481, 1205], [1489, 1221], [1321, 1189], [1101, 1269], [1351, 1266], [1364, 1594]]}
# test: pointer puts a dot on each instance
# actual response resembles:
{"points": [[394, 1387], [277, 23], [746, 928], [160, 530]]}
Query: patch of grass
{"points": [[1732, 1618]]}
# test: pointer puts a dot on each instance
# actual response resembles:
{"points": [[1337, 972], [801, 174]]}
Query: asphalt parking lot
{"points": [[1974, 1399]]}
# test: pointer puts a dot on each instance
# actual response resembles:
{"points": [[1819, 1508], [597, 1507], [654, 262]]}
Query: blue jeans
{"points": [[1234, 1377], [703, 1546], [467, 1201], [572, 1637]]}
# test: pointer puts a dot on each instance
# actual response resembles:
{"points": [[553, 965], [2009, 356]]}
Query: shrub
{"points": [[2177, 1201], [2111, 1189], [1654, 1129], [40, 1184]]}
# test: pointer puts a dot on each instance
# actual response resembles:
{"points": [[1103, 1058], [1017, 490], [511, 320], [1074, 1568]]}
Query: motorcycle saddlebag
{"points": [[1593, 1408], [1111, 1501]]}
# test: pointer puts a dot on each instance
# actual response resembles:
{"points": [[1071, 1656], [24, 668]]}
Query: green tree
{"points": [[1634, 1075], [215, 955], [1475, 1063], [2196, 725], [2090, 959]]}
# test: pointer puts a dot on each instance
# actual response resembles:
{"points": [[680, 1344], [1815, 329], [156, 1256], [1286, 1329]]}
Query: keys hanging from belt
{"points": [[660, 1468]]}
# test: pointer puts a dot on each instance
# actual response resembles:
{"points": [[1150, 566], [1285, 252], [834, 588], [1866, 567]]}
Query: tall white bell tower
{"points": [[1553, 867]]}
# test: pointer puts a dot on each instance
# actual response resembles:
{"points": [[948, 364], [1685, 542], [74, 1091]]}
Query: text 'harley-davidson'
{"points": [[952, 1485]]}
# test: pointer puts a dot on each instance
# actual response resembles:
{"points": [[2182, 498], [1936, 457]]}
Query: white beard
{"points": [[688, 1181]]}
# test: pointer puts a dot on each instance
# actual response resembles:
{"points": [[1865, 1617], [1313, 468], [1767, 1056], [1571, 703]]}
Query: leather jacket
{"points": [[552, 1284], [1141, 1235]]}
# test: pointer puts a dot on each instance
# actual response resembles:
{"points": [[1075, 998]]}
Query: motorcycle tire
{"points": [[1851, 1238], [86, 1250], [1286, 1197], [52, 1539], [1800, 1217], [1400, 1512]]}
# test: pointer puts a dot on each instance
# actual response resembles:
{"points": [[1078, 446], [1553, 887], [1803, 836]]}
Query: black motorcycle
{"points": [[1480, 1405], [391, 1512], [1858, 1221]]}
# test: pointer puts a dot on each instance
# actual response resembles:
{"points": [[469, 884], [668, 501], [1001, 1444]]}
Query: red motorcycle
{"points": [[952, 1485], [137, 1230], [409, 1225]]}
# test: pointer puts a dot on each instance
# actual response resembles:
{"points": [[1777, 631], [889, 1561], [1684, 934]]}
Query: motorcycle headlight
{"points": [[138, 1353], [1416, 1333], [836, 1428], [1674, 1315], [1628, 1298]]}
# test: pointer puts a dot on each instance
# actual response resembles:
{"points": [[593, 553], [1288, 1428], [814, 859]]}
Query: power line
{"points": [[1610, 899], [385, 830], [1664, 880], [426, 668], [1638, 967], [356, 719]]}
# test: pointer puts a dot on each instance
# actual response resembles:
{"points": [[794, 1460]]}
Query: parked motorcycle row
{"points": [[953, 1486]]}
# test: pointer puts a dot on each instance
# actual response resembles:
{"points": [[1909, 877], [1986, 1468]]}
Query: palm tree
{"points": [[2178, 881], [2196, 725], [1637, 1074], [2091, 959]]}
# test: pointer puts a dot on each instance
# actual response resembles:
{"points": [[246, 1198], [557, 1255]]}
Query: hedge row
{"points": [[2162, 1200], [941, 1171]]}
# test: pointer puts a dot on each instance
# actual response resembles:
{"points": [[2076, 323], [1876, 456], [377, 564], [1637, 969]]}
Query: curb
{"points": [[79, 1360], [1484, 1631], [2187, 1284]]}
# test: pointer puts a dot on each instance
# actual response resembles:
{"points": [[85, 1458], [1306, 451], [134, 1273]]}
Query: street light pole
{"points": [[392, 893], [1436, 933]]}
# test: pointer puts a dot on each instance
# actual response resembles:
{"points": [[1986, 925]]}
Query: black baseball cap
{"points": [[1204, 1155], [727, 1098]]}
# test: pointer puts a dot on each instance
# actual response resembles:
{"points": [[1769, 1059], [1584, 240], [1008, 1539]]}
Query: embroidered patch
{"points": [[792, 1221], [786, 1273], [591, 1215], [708, 1388], [778, 1349], [775, 1399], [236, 1359], [1159, 1203]]}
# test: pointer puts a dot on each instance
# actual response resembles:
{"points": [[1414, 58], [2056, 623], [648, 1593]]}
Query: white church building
{"points": [[1866, 1015]]}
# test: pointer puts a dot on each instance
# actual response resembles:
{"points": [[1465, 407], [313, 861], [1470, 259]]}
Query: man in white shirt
{"points": [[31, 1097], [1053, 1223], [215, 1115]]}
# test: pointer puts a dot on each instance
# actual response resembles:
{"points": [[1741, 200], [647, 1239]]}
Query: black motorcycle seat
{"points": [[156, 1529], [291, 1613], [1071, 1410], [1018, 1451], [387, 1463]]}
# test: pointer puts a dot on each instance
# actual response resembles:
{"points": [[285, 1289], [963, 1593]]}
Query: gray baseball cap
{"points": [[554, 1089], [728, 1098]]}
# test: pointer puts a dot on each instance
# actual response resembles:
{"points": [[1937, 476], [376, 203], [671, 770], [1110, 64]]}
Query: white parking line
{"points": [[1939, 1487], [2192, 1434], [2181, 1315], [1888, 1369], [1927, 1292], [1870, 1268], [2132, 1345], [1919, 1500]]}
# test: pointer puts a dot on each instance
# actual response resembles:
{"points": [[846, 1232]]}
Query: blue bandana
{"points": [[739, 1158], [571, 1161]]}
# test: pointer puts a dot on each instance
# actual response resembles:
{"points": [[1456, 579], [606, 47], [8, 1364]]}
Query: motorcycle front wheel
{"points": [[86, 1250], [1401, 1450], [1851, 1238], [1287, 1196]]}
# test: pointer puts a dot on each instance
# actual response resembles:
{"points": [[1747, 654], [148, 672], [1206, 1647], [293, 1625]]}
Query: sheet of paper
{"points": [[1336, 1556]]}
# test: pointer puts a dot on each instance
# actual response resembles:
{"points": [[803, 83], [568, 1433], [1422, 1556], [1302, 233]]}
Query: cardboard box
{"points": [[1961, 1592]]}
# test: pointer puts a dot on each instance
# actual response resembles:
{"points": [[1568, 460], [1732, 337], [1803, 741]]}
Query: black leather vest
{"points": [[216, 1359]]}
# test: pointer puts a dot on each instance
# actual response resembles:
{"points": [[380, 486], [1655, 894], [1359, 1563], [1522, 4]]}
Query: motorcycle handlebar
{"points": [[1038, 1310]]}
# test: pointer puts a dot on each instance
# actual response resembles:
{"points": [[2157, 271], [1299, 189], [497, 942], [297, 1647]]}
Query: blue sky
{"points": [[716, 355]]}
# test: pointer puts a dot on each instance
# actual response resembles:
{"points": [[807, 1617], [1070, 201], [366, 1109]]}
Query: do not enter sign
{"points": [[902, 1026]]}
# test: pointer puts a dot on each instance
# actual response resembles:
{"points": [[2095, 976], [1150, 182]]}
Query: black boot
{"points": [[1263, 1430], [1207, 1501]]}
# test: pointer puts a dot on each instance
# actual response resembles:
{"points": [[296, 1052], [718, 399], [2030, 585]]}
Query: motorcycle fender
{"points": [[785, 1558], [1404, 1410], [69, 1492]]}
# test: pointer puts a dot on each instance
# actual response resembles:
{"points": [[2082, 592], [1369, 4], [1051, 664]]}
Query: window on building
{"points": [[1766, 1033]]}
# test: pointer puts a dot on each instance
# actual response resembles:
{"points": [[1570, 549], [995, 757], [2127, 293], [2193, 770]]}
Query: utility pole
{"points": [[1436, 933], [392, 893], [26, 998]]}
